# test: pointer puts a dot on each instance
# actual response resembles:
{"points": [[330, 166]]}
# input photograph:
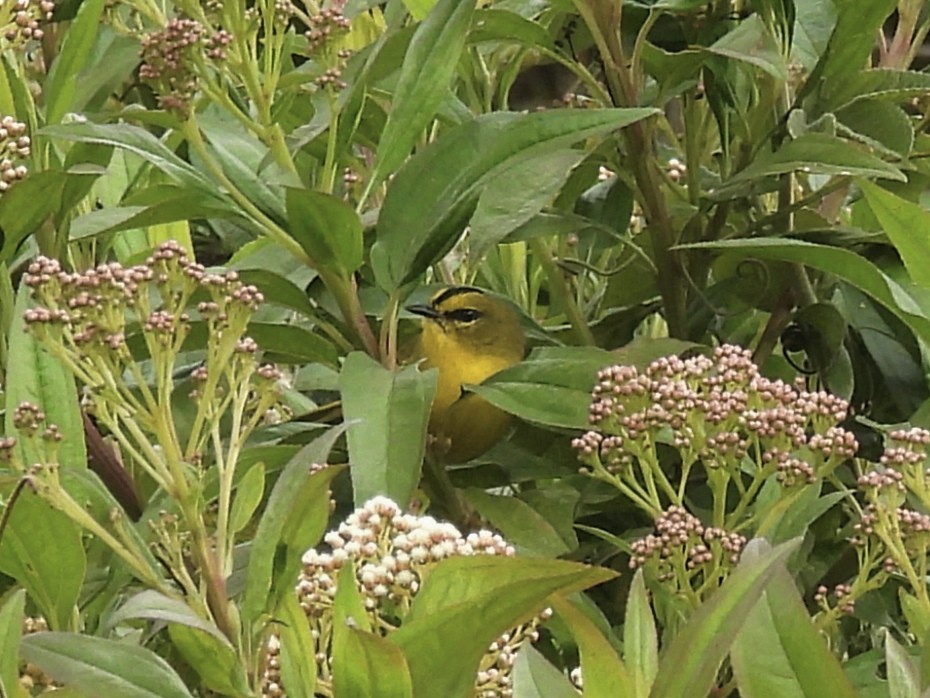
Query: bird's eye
{"points": [[463, 315]]}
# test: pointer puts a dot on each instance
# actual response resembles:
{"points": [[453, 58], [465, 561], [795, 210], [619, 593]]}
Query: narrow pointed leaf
{"points": [[11, 623], [297, 495], [425, 75], [640, 640], [684, 673], [779, 652], [903, 673], [603, 673]]}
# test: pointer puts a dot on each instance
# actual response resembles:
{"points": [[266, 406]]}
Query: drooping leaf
{"points": [[433, 195], [845, 264], [140, 142], [153, 605], [817, 153], [99, 666]]}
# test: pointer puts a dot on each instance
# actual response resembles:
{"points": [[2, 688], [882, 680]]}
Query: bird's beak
{"points": [[426, 311]]}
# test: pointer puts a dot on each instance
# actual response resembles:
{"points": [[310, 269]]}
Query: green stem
{"points": [[561, 294]]}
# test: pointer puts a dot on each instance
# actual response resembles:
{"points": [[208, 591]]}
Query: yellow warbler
{"points": [[468, 336]]}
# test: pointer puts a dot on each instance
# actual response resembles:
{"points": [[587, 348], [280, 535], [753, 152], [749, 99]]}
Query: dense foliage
{"points": [[712, 218]]}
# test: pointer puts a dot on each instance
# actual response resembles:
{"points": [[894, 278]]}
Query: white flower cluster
{"points": [[388, 549]]}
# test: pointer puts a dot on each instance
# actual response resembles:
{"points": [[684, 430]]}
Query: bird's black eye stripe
{"points": [[463, 315]]}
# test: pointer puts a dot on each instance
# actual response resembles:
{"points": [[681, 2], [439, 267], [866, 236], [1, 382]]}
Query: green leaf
{"points": [[139, 142], [249, 493], [298, 651], [62, 83], [491, 24], [551, 387], [907, 225], [387, 412], [516, 194], [535, 677], [842, 263], [371, 666], [813, 26], [103, 667], [296, 491], [364, 664], [153, 605], [878, 83], [752, 42], [327, 228], [603, 672], [292, 344], [779, 651], [902, 668], [881, 125], [848, 49], [465, 603], [181, 205], [520, 524], [247, 163], [418, 9], [11, 624], [791, 517], [41, 549], [42, 380], [432, 197], [214, 660], [425, 75], [640, 640], [25, 207], [685, 671], [817, 153]]}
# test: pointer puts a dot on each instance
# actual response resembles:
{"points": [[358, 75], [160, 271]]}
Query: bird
{"points": [[468, 335]]}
